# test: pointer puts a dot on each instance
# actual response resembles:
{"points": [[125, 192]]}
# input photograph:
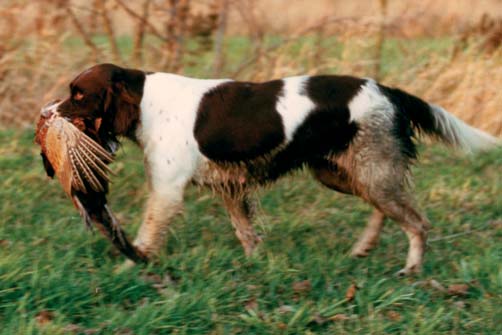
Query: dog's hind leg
{"points": [[370, 236], [385, 186], [413, 223], [240, 209], [339, 180]]}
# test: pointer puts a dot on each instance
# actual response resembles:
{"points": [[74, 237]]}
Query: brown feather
{"points": [[81, 166]]}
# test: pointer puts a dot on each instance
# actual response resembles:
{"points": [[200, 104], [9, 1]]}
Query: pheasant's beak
{"points": [[50, 108]]}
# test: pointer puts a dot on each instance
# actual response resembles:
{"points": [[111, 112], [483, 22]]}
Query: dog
{"points": [[355, 135]]}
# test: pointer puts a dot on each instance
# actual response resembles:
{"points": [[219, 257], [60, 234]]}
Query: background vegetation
{"points": [[57, 278]]}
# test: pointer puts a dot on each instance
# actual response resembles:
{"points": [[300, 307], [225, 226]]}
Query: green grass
{"points": [[198, 61], [48, 261]]}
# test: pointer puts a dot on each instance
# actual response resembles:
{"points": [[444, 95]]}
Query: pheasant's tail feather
{"points": [[115, 226], [83, 212]]}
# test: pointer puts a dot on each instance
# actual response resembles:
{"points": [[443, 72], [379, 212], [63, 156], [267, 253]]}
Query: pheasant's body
{"points": [[77, 159], [81, 166]]}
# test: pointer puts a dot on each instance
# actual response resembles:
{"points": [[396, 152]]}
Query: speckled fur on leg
{"points": [[370, 236], [158, 214], [241, 211], [415, 225]]}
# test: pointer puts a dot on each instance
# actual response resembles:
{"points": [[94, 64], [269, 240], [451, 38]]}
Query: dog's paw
{"points": [[408, 271], [124, 267], [361, 249], [251, 244]]}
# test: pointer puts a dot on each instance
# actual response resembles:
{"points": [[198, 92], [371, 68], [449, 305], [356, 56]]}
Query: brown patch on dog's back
{"points": [[326, 130], [333, 91], [238, 121]]}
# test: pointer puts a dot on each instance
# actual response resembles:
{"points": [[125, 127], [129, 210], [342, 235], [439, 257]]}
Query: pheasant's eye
{"points": [[78, 96]]}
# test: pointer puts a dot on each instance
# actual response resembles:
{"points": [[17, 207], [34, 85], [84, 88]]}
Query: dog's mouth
{"points": [[89, 126], [51, 111]]}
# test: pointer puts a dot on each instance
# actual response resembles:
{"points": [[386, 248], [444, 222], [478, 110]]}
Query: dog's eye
{"points": [[78, 96]]}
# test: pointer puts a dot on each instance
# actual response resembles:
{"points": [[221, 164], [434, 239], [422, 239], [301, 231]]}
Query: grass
{"points": [[58, 278], [199, 61]]}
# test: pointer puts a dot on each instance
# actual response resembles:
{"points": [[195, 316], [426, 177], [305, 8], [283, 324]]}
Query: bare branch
{"points": [[219, 55], [139, 36], [377, 70], [87, 40], [107, 25], [151, 27], [326, 20], [175, 31]]}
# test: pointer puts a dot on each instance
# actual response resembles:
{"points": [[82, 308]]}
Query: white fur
{"points": [[168, 113], [293, 105], [368, 100], [460, 134]]}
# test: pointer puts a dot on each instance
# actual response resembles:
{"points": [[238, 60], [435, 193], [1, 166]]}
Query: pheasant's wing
{"points": [[78, 160]]}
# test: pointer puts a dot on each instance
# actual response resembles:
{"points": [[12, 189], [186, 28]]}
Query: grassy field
{"points": [[58, 278]]}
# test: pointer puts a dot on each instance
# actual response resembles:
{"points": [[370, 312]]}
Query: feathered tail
{"points": [[436, 122], [459, 134]]}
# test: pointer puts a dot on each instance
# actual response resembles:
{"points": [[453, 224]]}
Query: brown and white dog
{"points": [[355, 135]]}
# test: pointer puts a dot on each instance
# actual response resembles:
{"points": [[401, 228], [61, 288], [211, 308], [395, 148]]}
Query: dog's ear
{"points": [[123, 96], [108, 98]]}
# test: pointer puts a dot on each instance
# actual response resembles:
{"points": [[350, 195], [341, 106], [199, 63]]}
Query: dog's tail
{"points": [[436, 122]]}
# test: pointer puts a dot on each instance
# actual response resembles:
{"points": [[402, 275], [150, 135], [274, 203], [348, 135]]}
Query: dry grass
{"points": [[409, 18], [469, 86], [39, 55]]}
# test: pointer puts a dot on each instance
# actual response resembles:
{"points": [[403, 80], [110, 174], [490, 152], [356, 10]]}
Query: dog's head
{"points": [[107, 98]]}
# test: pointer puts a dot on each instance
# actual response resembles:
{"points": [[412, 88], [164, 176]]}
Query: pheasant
{"points": [[71, 154]]}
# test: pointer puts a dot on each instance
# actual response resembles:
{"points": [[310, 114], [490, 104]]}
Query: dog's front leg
{"points": [[159, 212]]}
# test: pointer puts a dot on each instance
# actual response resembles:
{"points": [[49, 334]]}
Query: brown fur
{"points": [[241, 213], [107, 97]]}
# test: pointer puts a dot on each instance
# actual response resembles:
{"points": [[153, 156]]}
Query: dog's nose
{"points": [[50, 108]]}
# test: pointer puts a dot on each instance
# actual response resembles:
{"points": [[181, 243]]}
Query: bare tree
{"points": [[92, 18], [380, 38], [85, 36], [219, 52], [143, 20], [108, 27], [175, 31], [139, 35]]}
